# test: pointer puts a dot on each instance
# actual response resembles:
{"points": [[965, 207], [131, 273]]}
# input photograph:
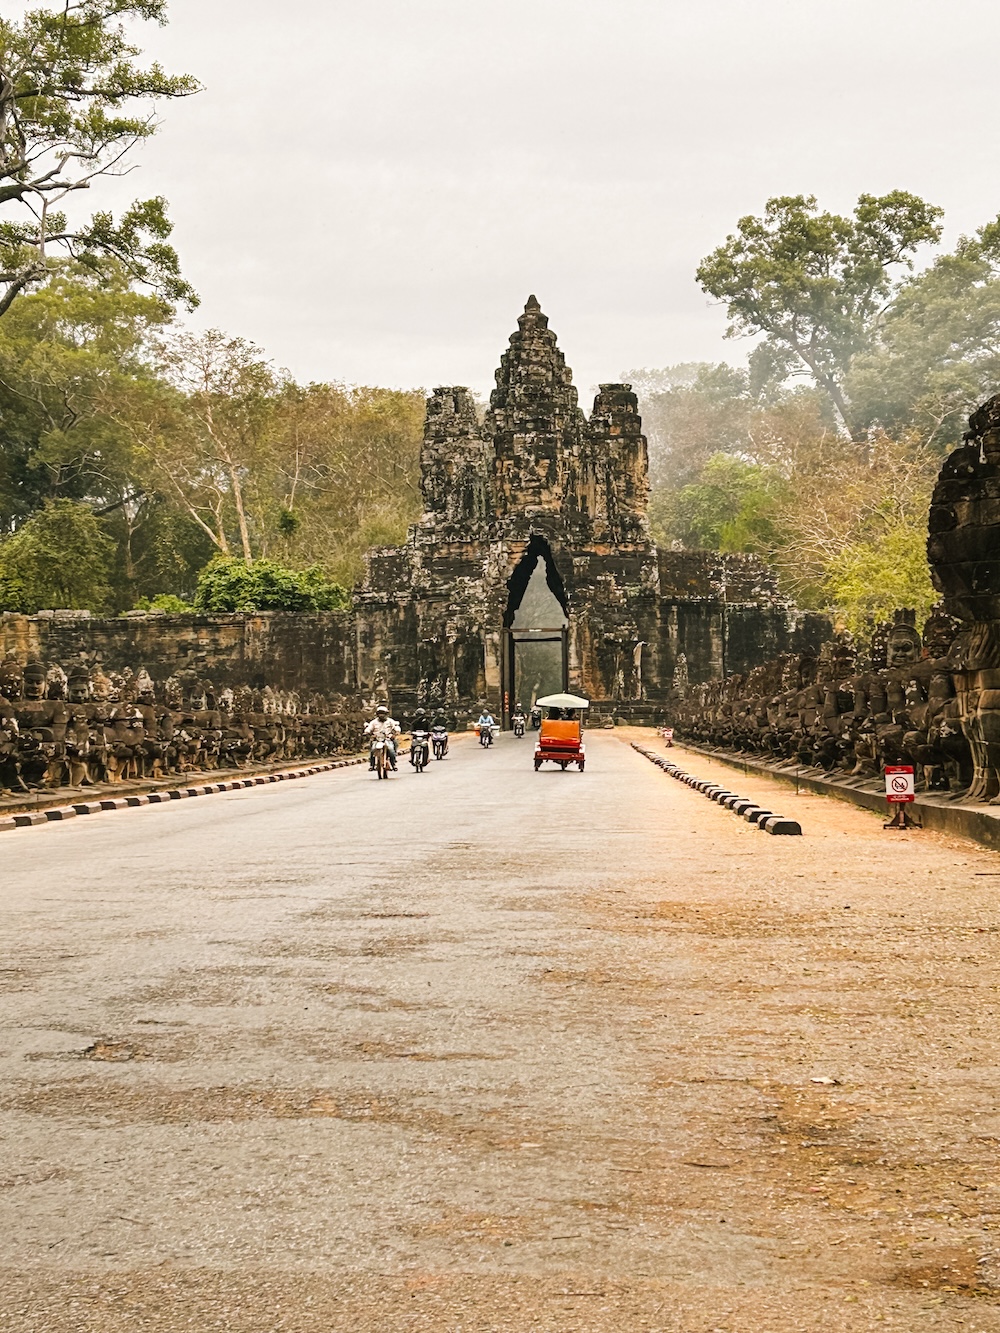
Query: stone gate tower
{"points": [[531, 566]]}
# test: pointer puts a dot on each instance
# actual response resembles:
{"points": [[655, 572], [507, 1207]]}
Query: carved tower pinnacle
{"points": [[454, 463], [534, 419], [620, 459]]}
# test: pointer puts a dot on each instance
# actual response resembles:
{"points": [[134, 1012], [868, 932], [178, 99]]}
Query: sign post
{"points": [[900, 792], [668, 735]]}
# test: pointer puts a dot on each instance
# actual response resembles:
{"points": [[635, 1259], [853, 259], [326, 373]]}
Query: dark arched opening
{"points": [[517, 584], [535, 629]]}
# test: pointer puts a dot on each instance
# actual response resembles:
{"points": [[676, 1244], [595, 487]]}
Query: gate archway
{"points": [[535, 630]]}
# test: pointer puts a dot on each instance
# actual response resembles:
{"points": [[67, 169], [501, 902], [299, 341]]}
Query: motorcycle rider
{"points": [[382, 727], [419, 724], [486, 721], [517, 719], [439, 727]]}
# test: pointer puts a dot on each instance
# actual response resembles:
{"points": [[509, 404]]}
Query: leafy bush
{"points": [[59, 559], [165, 601], [228, 584]]}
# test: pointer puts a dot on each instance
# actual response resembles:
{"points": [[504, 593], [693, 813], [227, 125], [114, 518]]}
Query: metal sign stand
{"points": [[900, 792]]}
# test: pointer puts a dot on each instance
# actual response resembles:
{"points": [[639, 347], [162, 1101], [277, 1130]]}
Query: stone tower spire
{"points": [[454, 462], [620, 460], [534, 419]]}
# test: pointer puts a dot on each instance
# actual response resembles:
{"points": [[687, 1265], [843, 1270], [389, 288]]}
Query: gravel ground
{"points": [[482, 1049]]}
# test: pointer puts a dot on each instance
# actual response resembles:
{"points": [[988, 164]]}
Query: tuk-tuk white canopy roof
{"points": [[562, 701]]}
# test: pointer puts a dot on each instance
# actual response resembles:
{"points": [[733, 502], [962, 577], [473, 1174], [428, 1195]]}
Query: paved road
{"points": [[490, 1050]]}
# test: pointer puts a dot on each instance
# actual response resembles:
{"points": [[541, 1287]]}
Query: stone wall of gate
{"points": [[306, 653]]}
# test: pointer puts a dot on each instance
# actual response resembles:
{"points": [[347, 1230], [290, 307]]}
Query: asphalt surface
{"points": [[484, 1049]]}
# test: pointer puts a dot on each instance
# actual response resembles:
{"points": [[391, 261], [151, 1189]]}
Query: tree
{"points": [[936, 354], [205, 442], [816, 285], [60, 558], [345, 466], [853, 531], [731, 506], [690, 412], [70, 99], [69, 354]]}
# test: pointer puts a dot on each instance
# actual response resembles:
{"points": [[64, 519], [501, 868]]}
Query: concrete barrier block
{"points": [[755, 814], [63, 813], [779, 826], [26, 820]]}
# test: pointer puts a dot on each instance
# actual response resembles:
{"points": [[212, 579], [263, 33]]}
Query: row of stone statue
{"points": [[79, 726], [902, 701]]}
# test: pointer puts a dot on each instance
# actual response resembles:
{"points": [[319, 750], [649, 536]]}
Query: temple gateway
{"points": [[531, 569]]}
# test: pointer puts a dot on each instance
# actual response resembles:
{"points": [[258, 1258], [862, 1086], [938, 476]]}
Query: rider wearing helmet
{"points": [[382, 727], [419, 724]]}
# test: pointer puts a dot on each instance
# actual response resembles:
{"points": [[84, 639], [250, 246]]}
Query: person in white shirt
{"points": [[382, 727]]}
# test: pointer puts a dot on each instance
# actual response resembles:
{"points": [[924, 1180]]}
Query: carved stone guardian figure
{"points": [[963, 548]]}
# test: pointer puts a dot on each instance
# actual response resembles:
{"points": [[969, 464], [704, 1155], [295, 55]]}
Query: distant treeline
{"points": [[822, 454]]}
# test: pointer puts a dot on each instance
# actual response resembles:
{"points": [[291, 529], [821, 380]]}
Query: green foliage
{"points": [[732, 506], [936, 354], [814, 284], [164, 601], [59, 559], [227, 584], [70, 354], [71, 108], [869, 578]]}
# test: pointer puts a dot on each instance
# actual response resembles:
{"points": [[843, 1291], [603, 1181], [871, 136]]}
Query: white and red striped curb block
{"points": [[739, 805], [30, 818]]}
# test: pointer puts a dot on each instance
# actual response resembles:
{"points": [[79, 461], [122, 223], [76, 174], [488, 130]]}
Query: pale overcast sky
{"points": [[370, 190]]}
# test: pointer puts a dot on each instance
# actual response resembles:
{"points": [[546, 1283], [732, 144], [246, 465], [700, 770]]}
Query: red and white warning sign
{"points": [[668, 735], [899, 783]]}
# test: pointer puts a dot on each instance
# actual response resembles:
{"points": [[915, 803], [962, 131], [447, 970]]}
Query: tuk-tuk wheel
{"points": [[564, 764], [538, 764], [580, 765]]}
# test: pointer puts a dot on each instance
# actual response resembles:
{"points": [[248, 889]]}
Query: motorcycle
{"points": [[418, 751], [485, 736], [439, 741], [518, 724], [536, 718], [380, 757]]}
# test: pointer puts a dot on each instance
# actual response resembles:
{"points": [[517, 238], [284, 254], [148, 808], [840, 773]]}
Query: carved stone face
{"points": [[101, 687], [79, 689], [904, 647], [34, 684]]}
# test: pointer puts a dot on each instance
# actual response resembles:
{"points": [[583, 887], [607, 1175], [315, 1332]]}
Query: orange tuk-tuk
{"points": [[560, 737]]}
